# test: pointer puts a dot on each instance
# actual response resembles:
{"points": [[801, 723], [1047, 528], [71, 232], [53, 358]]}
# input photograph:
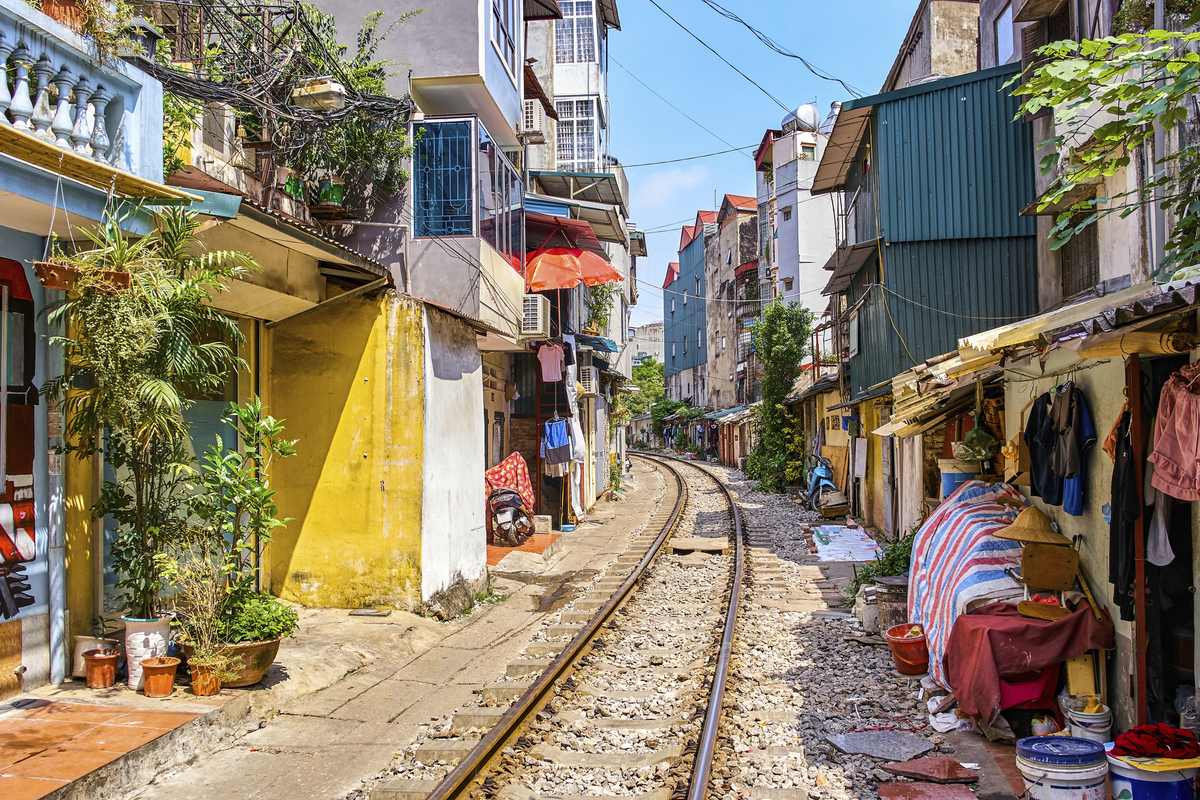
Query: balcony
{"points": [[64, 114], [858, 223], [468, 245]]}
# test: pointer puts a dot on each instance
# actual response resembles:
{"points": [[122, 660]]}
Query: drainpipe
{"points": [[56, 566]]}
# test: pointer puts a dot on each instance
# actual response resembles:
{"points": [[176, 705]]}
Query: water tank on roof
{"points": [[804, 118]]}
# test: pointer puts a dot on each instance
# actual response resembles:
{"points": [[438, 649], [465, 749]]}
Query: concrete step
{"points": [[529, 666], [450, 751], [575, 758], [544, 649], [403, 789], [561, 630], [504, 691], [577, 617], [588, 605], [477, 717], [515, 792], [623, 725]]}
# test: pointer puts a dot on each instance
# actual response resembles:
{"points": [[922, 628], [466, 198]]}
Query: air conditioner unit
{"points": [[533, 123], [535, 317], [589, 378]]}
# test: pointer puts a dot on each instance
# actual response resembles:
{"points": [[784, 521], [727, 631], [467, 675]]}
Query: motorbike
{"points": [[820, 480], [510, 521]]}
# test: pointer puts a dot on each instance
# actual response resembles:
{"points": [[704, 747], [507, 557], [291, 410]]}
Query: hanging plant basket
{"points": [[56, 276], [114, 281]]}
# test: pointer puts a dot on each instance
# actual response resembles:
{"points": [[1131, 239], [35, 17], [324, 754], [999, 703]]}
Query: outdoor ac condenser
{"points": [[533, 123], [589, 378], [535, 317]]}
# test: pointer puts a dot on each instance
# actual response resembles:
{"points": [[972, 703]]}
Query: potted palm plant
{"points": [[130, 356]]}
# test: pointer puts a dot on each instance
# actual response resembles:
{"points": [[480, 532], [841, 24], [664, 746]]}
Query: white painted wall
{"points": [[453, 532]]}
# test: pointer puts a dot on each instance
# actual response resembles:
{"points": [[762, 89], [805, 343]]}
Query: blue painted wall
{"points": [[686, 316]]}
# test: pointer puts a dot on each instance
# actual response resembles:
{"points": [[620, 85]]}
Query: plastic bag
{"points": [[978, 445]]}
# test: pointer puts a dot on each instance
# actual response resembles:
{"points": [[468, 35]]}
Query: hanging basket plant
{"points": [[54, 275]]}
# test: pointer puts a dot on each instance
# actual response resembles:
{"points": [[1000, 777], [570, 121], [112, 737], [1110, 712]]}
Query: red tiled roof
{"points": [[741, 202], [744, 268], [672, 274]]}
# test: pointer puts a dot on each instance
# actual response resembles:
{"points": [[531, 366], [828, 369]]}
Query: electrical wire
{"points": [[771, 43], [940, 311], [708, 47], [689, 158], [690, 118]]}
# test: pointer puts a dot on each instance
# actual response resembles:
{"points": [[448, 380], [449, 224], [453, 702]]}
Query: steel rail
{"points": [[459, 780], [707, 745]]}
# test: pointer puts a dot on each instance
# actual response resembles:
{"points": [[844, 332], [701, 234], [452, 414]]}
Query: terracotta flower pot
{"points": [[101, 667], [205, 682], [158, 676], [250, 661], [55, 276], [85, 643], [116, 281]]}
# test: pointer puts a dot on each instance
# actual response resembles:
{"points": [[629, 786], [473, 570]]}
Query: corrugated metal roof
{"points": [[953, 163]]}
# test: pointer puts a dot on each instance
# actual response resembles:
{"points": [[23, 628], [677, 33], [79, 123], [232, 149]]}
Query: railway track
{"points": [[628, 687]]}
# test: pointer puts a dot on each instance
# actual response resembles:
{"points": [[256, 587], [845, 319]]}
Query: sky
{"points": [[855, 40]]}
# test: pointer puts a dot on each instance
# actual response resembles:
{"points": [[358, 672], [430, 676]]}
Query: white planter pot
{"points": [[144, 638], [82, 645]]}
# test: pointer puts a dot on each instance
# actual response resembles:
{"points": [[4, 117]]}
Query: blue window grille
{"points": [[442, 179]]}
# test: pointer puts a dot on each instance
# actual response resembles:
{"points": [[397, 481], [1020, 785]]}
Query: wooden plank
{"points": [[10, 658], [1049, 566], [69, 164], [839, 462]]}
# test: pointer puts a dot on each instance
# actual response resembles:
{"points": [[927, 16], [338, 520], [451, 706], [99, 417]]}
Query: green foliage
{"points": [[259, 618], [894, 560], [664, 409], [132, 357], [599, 302], [359, 141], [1108, 95], [180, 116], [1135, 16], [794, 471], [614, 476], [648, 376], [198, 581], [781, 342], [682, 442]]}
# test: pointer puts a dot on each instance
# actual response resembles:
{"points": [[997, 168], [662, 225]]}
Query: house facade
{"points": [[685, 317]]}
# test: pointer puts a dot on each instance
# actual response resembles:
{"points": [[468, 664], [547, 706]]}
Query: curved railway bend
{"points": [[615, 696]]}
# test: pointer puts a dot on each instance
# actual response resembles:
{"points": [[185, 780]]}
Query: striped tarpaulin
{"points": [[958, 565]]}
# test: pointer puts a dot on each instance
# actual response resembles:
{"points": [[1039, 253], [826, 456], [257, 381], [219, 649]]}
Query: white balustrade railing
{"points": [[61, 94]]}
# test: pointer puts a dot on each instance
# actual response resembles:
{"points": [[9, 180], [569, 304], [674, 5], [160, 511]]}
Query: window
{"points": [[502, 27], [575, 33], [787, 284], [723, 345], [501, 197], [787, 212], [1080, 260], [808, 152], [442, 179], [685, 297], [698, 287], [1003, 27], [729, 256], [764, 230], [672, 349], [699, 339], [576, 135], [685, 344], [672, 305]]}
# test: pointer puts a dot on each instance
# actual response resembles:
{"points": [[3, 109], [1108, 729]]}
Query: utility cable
{"points": [[668, 102], [718, 55], [689, 158], [771, 43]]}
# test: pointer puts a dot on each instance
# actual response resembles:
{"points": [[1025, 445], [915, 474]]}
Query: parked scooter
{"points": [[820, 480], [510, 520]]}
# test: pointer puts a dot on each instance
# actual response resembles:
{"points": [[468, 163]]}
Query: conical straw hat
{"points": [[1031, 525]]}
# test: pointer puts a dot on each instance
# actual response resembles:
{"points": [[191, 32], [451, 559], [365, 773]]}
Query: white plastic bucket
{"points": [[1130, 783], [1095, 727], [955, 473], [144, 638], [1063, 781]]}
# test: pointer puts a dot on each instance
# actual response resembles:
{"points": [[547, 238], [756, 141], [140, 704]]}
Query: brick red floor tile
{"points": [[71, 712], [11, 755], [13, 788], [63, 765], [115, 738], [166, 720], [42, 732]]}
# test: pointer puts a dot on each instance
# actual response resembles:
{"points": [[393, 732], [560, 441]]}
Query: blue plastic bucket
{"points": [[1127, 782], [955, 473]]}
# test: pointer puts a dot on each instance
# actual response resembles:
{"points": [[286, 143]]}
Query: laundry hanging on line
{"points": [[550, 356]]}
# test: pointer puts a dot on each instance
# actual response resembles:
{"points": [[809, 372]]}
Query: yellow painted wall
{"points": [[348, 382], [79, 489], [874, 497]]}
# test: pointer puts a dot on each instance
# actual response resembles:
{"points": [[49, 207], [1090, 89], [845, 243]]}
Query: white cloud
{"points": [[652, 191]]}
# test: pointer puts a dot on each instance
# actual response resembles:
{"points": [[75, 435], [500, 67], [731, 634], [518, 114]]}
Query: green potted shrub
{"points": [[235, 506], [130, 358], [197, 578]]}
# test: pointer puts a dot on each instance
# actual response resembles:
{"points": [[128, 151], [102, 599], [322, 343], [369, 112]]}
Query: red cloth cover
{"points": [[1156, 741], [511, 473], [998, 640]]}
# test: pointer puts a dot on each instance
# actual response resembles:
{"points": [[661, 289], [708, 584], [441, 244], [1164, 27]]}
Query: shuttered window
{"points": [[1081, 260]]}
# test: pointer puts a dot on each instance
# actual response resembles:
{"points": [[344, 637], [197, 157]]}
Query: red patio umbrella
{"points": [[565, 267]]}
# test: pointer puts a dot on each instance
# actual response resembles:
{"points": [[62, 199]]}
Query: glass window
{"points": [[442, 167], [575, 33], [502, 27], [1004, 35], [576, 135], [501, 199]]}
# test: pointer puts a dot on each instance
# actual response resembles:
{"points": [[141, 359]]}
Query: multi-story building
{"points": [[685, 320], [646, 342], [796, 229], [730, 256]]}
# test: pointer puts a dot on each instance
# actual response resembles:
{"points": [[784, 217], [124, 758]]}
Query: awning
{"points": [[606, 220], [608, 13], [544, 230], [601, 343], [52, 158], [594, 187], [1084, 191], [533, 87], [542, 9], [875, 395], [941, 387], [841, 148], [637, 243], [848, 260], [257, 220]]}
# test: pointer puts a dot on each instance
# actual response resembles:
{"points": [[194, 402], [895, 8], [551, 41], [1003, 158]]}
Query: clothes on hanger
{"points": [[556, 446], [1158, 539], [1043, 441], [1176, 455], [568, 341], [550, 356], [1126, 508], [1066, 422]]}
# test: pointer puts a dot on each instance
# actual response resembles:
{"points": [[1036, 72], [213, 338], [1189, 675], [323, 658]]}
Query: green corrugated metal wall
{"points": [[953, 163]]}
